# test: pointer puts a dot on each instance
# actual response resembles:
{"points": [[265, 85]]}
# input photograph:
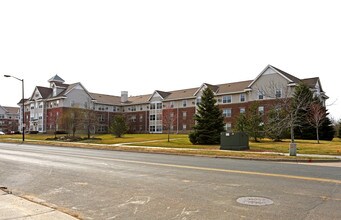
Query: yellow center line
{"points": [[222, 170]]}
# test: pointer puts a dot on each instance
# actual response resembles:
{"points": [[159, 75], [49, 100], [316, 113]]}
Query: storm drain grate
{"points": [[255, 201]]}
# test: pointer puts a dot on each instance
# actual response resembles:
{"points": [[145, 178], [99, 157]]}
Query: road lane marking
{"points": [[222, 170], [316, 179]]}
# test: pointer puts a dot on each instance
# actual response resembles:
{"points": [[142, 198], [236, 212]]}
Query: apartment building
{"points": [[160, 111], [9, 119]]}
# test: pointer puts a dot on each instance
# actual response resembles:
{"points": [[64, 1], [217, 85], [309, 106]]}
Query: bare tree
{"points": [[169, 119], [291, 105], [90, 120], [72, 119], [316, 116]]}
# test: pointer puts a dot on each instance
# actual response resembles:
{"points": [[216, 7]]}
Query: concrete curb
{"points": [[14, 207], [312, 158]]}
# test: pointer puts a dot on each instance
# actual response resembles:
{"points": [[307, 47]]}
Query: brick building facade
{"points": [[9, 119], [162, 110]]}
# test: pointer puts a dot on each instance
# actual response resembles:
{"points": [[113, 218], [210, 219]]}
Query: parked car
{"points": [[2, 133]]}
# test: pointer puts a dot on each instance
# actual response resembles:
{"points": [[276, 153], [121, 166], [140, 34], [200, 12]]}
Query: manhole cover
{"points": [[256, 201]]}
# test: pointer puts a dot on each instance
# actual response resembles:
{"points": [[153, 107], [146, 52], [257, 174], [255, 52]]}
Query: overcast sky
{"points": [[141, 46]]}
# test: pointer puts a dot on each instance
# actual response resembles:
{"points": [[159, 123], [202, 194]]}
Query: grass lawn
{"points": [[182, 141]]}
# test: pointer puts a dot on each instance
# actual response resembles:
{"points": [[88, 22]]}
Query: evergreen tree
{"points": [[327, 130], [119, 126], [339, 135], [209, 121]]}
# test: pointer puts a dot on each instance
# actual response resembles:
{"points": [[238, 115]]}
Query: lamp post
{"points": [[23, 107]]}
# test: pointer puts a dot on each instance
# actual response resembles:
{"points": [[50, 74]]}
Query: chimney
{"points": [[124, 96]]}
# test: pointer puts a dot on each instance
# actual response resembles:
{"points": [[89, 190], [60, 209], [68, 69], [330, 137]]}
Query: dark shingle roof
{"points": [[45, 92], [291, 77], [56, 78], [311, 82], [163, 94]]}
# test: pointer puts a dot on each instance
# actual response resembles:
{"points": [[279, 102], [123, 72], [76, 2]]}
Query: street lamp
{"points": [[23, 107]]}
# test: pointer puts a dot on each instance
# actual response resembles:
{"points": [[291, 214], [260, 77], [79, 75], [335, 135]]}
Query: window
{"points": [[184, 103], [171, 104], [152, 118], [152, 106], [101, 118], [242, 110], [278, 93], [228, 127], [198, 100], [40, 116], [133, 108], [261, 109], [184, 127], [101, 129], [158, 117], [227, 112], [184, 115], [159, 105], [159, 128], [227, 99], [242, 97], [133, 118], [152, 128], [141, 118], [32, 106], [260, 95]]}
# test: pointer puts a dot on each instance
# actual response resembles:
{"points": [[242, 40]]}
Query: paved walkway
{"points": [[13, 207]]}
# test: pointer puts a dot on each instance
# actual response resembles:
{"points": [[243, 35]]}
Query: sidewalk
{"points": [[13, 207]]}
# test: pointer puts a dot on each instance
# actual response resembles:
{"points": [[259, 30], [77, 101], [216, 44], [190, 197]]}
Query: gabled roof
{"points": [[44, 92], [212, 87], [20, 102], [287, 75], [290, 78], [71, 87], [163, 94], [311, 82], [11, 110], [56, 78]]}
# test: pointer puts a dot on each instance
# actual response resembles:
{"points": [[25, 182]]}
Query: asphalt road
{"points": [[100, 184]]}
